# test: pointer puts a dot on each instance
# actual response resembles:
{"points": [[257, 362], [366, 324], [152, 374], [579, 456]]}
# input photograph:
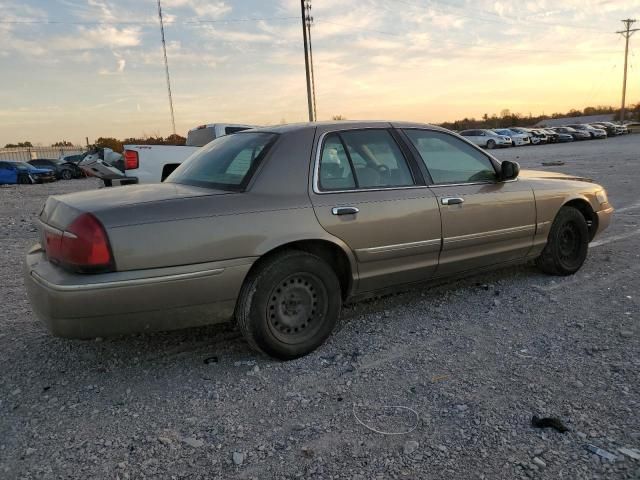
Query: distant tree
{"points": [[109, 142], [18, 145], [175, 139], [338, 117], [63, 143]]}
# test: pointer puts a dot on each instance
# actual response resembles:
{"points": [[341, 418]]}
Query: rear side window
{"points": [[200, 136], [226, 163], [362, 159], [335, 169], [449, 159]]}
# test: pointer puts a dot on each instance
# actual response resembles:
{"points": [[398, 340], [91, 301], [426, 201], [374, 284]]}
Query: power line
{"points": [[139, 22], [166, 66], [626, 33], [500, 19], [467, 45]]}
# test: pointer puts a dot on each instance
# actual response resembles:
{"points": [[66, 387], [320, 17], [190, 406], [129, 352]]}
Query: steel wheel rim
{"points": [[297, 307], [569, 243]]}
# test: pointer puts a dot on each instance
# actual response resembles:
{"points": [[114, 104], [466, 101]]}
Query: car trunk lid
{"points": [[106, 204]]}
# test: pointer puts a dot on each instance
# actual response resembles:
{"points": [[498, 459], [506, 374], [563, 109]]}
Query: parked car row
{"points": [[520, 136], [39, 170]]}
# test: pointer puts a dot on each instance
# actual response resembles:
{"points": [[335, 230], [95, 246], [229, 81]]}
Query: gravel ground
{"points": [[475, 359]]}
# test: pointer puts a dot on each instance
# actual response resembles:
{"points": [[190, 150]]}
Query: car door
{"points": [[8, 173], [368, 191], [484, 221]]}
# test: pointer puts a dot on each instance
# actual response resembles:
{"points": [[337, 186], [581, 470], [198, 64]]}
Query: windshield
{"points": [[24, 165], [504, 132], [225, 163]]}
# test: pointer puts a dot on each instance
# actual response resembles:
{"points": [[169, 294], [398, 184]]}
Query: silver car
{"points": [[487, 138]]}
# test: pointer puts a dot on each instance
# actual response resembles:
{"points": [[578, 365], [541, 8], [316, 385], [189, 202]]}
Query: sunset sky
{"points": [[71, 69]]}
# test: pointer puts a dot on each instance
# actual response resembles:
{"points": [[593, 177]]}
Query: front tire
{"points": [[24, 180], [567, 245], [289, 306], [67, 174], [491, 144]]}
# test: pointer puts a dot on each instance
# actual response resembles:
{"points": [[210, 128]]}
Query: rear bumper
{"points": [[85, 306]]}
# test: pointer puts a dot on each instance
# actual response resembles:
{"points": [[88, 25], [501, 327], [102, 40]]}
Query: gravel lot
{"points": [[475, 359]]}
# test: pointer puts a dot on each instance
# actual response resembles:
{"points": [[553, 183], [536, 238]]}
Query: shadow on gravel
{"points": [[198, 346]]}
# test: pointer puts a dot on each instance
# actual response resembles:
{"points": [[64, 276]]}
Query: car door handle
{"points": [[452, 201], [344, 210]]}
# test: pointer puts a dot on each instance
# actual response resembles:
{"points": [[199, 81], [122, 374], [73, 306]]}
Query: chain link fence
{"points": [[24, 154]]}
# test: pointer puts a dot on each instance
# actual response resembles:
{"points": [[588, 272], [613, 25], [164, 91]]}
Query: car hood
{"points": [[59, 211], [532, 174]]}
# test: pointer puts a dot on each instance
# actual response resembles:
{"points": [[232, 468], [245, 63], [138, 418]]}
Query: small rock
{"points": [[539, 462], [193, 442], [410, 447], [462, 408], [442, 448], [164, 440], [122, 465], [30, 451], [539, 451], [626, 333], [238, 458]]}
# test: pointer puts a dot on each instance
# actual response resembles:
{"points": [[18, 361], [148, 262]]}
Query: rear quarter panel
{"points": [[274, 210]]}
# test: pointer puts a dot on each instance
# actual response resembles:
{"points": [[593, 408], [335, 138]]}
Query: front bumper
{"points": [[604, 219], [75, 305]]}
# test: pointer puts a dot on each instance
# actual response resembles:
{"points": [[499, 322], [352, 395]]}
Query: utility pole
{"points": [[166, 68], [626, 33], [309, 20], [306, 58]]}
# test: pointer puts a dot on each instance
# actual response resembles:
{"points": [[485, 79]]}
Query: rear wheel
{"points": [[567, 245], [288, 307], [491, 144]]}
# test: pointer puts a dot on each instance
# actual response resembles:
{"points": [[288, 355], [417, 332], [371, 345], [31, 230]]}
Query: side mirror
{"points": [[509, 170]]}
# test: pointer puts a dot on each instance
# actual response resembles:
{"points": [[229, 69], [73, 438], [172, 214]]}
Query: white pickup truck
{"points": [[154, 163]]}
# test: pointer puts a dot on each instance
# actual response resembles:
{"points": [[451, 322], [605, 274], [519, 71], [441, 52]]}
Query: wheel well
{"points": [[587, 212], [329, 252]]}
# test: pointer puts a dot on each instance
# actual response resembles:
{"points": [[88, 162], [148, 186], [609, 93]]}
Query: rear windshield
{"points": [[200, 137], [226, 163]]}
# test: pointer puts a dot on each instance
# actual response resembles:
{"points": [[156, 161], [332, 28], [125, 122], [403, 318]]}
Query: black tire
{"points": [[567, 245], [491, 144], [289, 306], [24, 180], [66, 174]]}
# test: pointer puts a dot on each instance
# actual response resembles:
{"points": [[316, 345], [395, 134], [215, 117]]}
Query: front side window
{"points": [[225, 163], [362, 159], [450, 160]]}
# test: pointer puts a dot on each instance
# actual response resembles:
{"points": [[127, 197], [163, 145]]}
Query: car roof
{"points": [[343, 125]]}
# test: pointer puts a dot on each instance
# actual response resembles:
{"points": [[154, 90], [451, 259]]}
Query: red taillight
{"points": [[131, 161], [83, 246]]}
